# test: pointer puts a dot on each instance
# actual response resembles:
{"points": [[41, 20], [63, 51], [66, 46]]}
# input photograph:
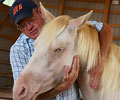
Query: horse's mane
{"points": [[89, 51], [111, 74], [88, 45]]}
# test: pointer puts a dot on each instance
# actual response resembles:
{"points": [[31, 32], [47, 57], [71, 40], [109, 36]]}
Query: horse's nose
{"points": [[19, 92], [22, 91]]}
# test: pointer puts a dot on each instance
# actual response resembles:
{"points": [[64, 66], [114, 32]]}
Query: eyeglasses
{"points": [[29, 22]]}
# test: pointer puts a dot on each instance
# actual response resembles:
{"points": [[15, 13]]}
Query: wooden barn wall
{"points": [[83, 5], [104, 11]]}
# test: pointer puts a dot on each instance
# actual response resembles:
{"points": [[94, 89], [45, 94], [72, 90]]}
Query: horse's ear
{"points": [[75, 23], [46, 14]]}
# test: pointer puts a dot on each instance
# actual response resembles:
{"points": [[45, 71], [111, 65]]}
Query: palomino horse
{"points": [[59, 40]]}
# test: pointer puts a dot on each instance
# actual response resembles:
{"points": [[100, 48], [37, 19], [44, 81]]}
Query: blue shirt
{"points": [[20, 54]]}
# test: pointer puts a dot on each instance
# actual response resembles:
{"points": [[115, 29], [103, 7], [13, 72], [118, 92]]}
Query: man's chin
{"points": [[34, 36]]}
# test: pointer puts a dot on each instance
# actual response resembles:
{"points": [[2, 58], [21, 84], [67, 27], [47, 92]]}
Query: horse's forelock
{"points": [[51, 30]]}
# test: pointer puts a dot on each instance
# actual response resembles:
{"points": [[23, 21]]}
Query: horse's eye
{"points": [[58, 50]]}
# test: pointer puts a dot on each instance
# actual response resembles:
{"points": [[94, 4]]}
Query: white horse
{"points": [[59, 40]]}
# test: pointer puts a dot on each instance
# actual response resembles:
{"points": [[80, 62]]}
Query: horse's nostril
{"points": [[22, 92]]}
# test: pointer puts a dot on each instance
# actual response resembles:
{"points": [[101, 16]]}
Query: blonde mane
{"points": [[89, 51], [88, 45], [111, 74]]}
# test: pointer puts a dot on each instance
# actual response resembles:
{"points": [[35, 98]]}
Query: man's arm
{"points": [[105, 36], [70, 76]]}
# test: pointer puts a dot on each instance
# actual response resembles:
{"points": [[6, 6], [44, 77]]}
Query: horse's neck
{"points": [[88, 45]]}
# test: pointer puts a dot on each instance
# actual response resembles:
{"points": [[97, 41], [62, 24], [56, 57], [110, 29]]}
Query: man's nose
{"points": [[29, 26]]}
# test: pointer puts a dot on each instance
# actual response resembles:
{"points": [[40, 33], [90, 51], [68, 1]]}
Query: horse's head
{"points": [[54, 48]]}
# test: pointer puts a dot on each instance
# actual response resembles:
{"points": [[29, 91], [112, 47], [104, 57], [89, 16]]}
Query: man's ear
{"points": [[47, 16]]}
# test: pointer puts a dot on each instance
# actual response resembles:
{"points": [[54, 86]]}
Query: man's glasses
{"points": [[29, 22]]}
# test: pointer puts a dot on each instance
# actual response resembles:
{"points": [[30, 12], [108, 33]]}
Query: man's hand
{"points": [[96, 73], [70, 76]]}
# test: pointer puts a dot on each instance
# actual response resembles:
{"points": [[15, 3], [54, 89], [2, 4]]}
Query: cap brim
{"points": [[21, 16]]}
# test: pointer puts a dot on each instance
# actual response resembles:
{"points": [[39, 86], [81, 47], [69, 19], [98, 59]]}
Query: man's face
{"points": [[31, 26]]}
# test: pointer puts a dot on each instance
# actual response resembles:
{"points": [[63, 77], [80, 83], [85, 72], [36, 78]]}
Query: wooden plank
{"points": [[107, 9], [61, 7], [6, 93], [75, 8], [83, 9], [4, 62], [115, 25], [115, 12], [6, 76], [51, 6], [91, 1], [4, 49], [116, 38], [6, 37], [8, 24]]}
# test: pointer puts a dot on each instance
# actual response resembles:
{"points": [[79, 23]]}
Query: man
{"points": [[29, 20]]}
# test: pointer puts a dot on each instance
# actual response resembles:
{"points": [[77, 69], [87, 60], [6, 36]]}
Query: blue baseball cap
{"points": [[22, 9]]}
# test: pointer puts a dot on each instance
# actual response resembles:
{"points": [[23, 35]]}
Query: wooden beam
{"points": [[4, 62], [84, 9], [61, 7], [4, 49], [6, 76], [8, 24], [6, 93], [91, 1], [115, 25], [81, 9], [116, 38], [51, 6], [6, 37], [107, 9], [115, 12]]}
